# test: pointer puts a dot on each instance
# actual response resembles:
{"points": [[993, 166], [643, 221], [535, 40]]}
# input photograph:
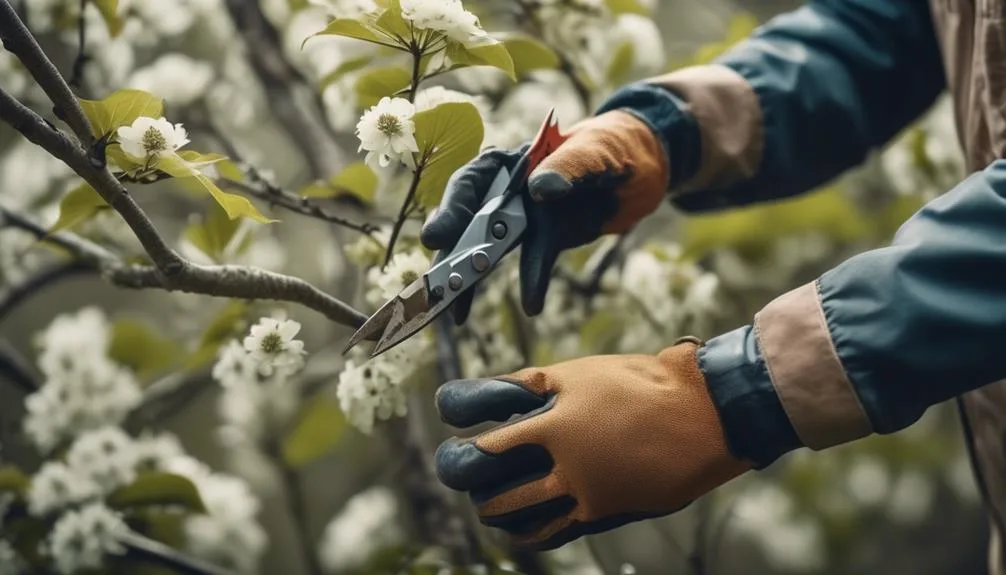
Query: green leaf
{"points": [[347, 67], [137, 346], [166, 526], [494, 54], [228, 170], [236, 206], [122, 108], [349, 28], [226, 325], [214, 233], [198, 160], [13, 480], [625, 7], [620, 66], [530, 54], [110, 13], [382, 82], [356, 180], [391, 22], [158, 488], [79, 205], [448, 135], [318, 431]]}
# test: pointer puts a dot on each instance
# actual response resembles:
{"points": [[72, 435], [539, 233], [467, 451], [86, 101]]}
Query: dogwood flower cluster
{"points": [[82, 538], [376, 389], [366, 525], [84, 389]]}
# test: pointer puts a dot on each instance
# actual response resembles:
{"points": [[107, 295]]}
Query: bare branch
{"points": [[15, 367], [35, 284], [19, 41], [237, 282], [291, 98], [82, 57], [156, 552], [403, 215], [299, 205]]}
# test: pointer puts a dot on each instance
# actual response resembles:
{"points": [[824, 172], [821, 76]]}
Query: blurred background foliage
{"points": [[896, 504]]}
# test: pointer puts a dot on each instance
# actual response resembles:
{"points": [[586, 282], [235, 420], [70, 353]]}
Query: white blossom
{"points": [[106, 456], [387, 132], [55, 486], [436, 95], [235, 365], [151, 138], [229, 533], [81, 539], [366, 525], [446, 16], [73, 341], [28, 174], [176, 78], [869, 481], [375, 390], [272, 345], [154, 452], [346, 8], [368, 250], [403, 269], [17, 258]]}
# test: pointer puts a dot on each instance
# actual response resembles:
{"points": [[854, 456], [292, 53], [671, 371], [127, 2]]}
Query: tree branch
{"points": [[82, 57], [291, 98], [403, 215], [236, 282], [17, 368], [19, 293], [156, 552], [19, 41], [299, 205]]}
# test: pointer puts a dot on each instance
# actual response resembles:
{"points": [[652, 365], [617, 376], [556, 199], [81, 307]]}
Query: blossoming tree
{"points": [[259, 170]]}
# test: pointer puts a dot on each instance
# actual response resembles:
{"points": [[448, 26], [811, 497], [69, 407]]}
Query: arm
{"points": [[876, 341], [806, 97]]}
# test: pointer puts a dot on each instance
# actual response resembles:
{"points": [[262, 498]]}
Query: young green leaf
{"points": [[626, 7], [356, 180], [529, 54], [139, 347], [382, 82], [347, 67], [78, 206], [393, 24], [349, 28], [620, 66], [158, 488], [448, 136], [236, 206], [122, 108], [13, 480], [109, 10], [214, 234], [493, 54], [318, 431], [225, 325]]}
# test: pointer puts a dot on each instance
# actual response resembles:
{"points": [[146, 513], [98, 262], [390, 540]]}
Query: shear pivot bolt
{"points": [[480, 261], [499, 230], [454, 281], [438, 291]]}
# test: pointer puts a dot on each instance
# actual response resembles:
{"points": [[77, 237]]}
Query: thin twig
{"points": [[156, 552], [403, 215], [16, 367], [82, 58], [295, 103], [18, 40], [300, 205], [37, 283], [229, 281]]}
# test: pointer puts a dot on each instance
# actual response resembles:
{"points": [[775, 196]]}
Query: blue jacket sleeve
{"points": [[822, 86], [876, 341]]}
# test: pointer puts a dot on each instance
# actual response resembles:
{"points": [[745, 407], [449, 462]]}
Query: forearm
{"points": [[806, 97], [876, 341]]}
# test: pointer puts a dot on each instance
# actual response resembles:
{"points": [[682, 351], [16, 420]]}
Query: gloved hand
{"points": [[599, 442], [609, 174]]}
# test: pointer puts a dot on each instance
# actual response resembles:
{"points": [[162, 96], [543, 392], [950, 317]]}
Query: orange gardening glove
{"points": [[599, 442], [610, 173]]}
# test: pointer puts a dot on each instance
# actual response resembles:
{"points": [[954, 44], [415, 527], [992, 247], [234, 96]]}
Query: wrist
{"points": [[754, 421], [665, 114]]}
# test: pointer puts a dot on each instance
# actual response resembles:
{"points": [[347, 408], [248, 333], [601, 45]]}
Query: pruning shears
{"points": [[494, 232]]}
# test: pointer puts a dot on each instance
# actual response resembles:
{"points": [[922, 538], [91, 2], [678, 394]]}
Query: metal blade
{"points": [[413, 311], [373, 328]]}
